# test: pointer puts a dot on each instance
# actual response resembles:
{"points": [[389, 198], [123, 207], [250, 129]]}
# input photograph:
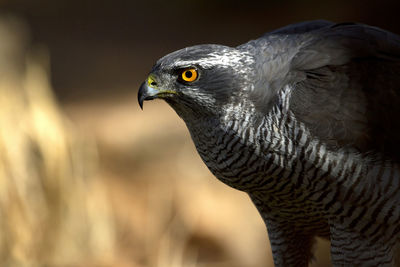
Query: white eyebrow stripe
{"points": [[224, 60]]}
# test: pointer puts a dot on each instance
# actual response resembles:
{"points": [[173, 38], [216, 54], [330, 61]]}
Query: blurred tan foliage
{"points": [[52, 211]]}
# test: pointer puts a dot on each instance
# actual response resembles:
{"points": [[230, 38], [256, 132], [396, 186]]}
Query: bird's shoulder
{"points": [[345, 81]]}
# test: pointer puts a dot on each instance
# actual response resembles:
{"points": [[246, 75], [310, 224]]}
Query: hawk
{"points": [[304, 119]]}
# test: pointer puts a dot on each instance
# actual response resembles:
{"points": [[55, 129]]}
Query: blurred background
{"points": [[86, 177]]}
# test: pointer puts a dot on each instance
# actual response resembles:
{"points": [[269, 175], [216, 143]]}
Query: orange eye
{"points": [[189, 75]]}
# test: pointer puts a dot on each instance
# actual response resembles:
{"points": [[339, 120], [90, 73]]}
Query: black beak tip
{"points": [[141, 95], [140, 100]]}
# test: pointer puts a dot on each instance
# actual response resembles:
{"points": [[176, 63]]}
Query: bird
{"points": [[305, 120]]}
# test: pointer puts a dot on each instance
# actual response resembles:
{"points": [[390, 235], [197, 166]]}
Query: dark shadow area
{"points": [[100, 47]]}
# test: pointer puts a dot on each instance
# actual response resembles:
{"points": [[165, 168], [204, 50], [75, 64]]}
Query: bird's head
{"points": [[199, 79]]}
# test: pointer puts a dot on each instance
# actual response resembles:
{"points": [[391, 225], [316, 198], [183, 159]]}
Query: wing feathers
{"points": [[350, 95]]}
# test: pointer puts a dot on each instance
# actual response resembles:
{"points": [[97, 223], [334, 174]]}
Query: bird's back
{"points": [[346, 83]]}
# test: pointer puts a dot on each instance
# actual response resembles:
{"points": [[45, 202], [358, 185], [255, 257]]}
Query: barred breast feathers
{"points": [[279, 137]]}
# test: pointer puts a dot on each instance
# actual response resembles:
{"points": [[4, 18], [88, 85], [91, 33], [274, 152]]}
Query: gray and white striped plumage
{"points": [[305, 120]]}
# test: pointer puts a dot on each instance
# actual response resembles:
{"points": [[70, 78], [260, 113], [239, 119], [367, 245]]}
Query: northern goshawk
{"points": [[306, 120]]}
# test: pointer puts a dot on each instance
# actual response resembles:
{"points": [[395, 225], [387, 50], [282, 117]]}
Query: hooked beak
{"points": [[146, 93]]}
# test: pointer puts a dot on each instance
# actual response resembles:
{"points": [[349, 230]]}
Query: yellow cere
{"points": [[189, 75], [151, 81]]}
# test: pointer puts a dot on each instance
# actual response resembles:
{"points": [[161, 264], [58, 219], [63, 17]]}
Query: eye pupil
{"points": [[188, 74]]}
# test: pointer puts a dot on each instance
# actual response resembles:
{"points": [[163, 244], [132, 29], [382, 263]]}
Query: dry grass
{"points": [[53, 211]]}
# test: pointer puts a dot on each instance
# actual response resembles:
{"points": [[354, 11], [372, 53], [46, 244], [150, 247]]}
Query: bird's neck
{"points": [[237, 147]]}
